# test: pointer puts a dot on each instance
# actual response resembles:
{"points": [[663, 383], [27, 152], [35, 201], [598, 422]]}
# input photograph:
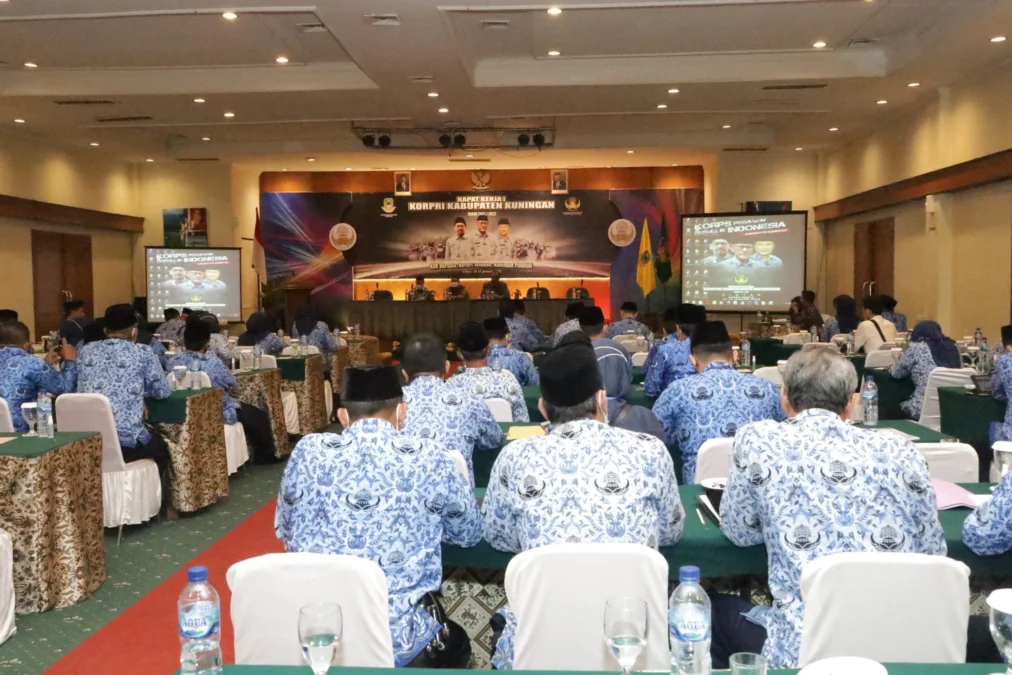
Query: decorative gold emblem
{"points": [[480, 179]]}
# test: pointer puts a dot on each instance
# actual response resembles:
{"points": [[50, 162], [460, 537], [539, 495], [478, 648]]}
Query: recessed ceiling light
{"points": [[347, 168], [19, 121], [834, 128], [433, 94], [798, 149], [914, 84], [230, 16], [444, 110], [629, 152], [998, 38], [661, 106], [311, 159], [199, 100], [672, 91], [882, 102], [554, 52], [554, 11], [469, 155], [149, 160], [29, 64], [205, 138], [674, 165], [284, 169], [94, 145], [819, 45], [411, 169], [282, 59], [229, 114], [727, 126]]}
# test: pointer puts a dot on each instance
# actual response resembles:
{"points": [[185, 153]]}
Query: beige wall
{"points": [[245, 201]]}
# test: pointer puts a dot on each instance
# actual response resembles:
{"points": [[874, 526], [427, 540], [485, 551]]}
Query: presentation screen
{"points": [[743, 262], [198, 278]]}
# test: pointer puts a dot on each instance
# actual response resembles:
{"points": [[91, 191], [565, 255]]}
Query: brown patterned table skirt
{"points": [[262, 389], [199, 474], [339, 360], [363, 351], [310, 394], [51, 506]]}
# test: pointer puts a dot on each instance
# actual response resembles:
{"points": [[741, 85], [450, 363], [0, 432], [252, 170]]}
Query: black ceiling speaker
{"points": [[445, 140], [523, 139], [459, 140], [368, 140], [384, 141], [539, 140]]}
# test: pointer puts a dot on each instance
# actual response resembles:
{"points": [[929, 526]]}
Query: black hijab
{"points": [[258, 327], [846, 313], [305, 320]]}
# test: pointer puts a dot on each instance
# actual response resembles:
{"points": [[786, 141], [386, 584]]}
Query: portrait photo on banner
{"points": [[185, 228], [402, 184], [560, 181]]}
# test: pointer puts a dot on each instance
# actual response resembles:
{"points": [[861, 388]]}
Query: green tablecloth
{"points": [[968, 416], [894, 669], [30, 447], [293, 368], [704, 545], [531, 395], [171, 410], [638, 375], [768, 351], [891, 393]]}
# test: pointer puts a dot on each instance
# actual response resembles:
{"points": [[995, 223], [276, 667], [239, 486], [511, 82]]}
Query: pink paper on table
{"points": [[950, 496]]}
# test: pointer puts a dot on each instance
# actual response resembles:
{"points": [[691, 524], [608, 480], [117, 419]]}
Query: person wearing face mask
{"points": [[584, 481], [393, 499]]}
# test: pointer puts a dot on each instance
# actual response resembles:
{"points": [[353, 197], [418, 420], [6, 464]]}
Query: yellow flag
{"points": [[646, 276]]}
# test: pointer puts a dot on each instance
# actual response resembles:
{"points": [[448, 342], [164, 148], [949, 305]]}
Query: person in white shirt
{"points": [[874, 331]]}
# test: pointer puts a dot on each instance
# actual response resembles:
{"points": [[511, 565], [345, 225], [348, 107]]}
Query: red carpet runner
{"points": [[144, 638]]}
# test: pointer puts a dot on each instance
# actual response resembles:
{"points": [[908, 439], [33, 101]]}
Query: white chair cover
{"points": [[954, 462], [290, 404], [269, 590], [236, 449], [6, 423], [888, 607], [203, 380], [882, 358], [558, 594], [797, 339], [7, 627], [713, 459], [267, 362], [460, 463], [771, 373], [840, 339], [639, 358], [501, 410], [328, 399], [931, 415], [290, 350], [634, 344], [131, 493]]}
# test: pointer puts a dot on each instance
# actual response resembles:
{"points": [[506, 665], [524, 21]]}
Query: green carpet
{"points": [[148, 555]]}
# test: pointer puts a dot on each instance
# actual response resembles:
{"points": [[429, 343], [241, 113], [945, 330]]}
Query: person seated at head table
{"points": [[521, 334], [874, 331], [520, 314], [420, 292], [454, 419], [518, 363], [366, 510], [929, 348], [716, 403], [126, 373], [1001, 385], [482, 381], [172, 329], [809, 487], [74, 320], [890, 313], [495, 288], [456, 290], [258, 332], [844, 322], [571, 324], [584, 481], [24, 376], [628, 323], [672, 360]]}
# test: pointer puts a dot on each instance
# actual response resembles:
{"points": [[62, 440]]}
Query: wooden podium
{"points": [[297, 293]]}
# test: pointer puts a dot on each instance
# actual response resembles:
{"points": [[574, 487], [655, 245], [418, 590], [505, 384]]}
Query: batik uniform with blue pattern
{"points": [[125, 373], [814, 486], [219, 347], [320, 337], [517, 363], [899, 320], [220, 376], [564, 329], [272, 345], [652, 354], [988, 530], [1001, 385], [626, 326], [485, 383], [23, 377], [387, 497], [671, 362], [172, 330], [583, 482], [521, 335], [830, 329], [453, 419], [916, 363], [160, 353], [532, 328], [714, 405]]}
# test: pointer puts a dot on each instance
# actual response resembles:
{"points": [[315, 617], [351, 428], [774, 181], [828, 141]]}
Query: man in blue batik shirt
{"points": [[454, 419], [388, 497], [717, 402], [520, 332], [628, 324], [810, 487], [23, 376], [478, 378], [572, 323], [518, 363], [520, 314], [1001, 385], [671, 359], [890, 314], [583, 482]]}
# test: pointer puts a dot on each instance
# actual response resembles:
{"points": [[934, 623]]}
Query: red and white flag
{"points": [[259, 259]]}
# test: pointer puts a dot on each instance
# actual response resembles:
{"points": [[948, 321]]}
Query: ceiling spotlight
{"points": [[433, 94], [882, 102], [661, 106], [229, 114], [19, 121], [469, 156], [554, 11], [539, 140], [384, 141], [819, 45], [674, 165], [554, 52], [29, 64], [284, 169], [310, 159], [445, 140], [523, 140], [914, 84], [282, 59], [672, 91], [444, 110], [459, 140], [94, 145], [834, 128], [230, 16], [998, 38], [205, 138], [630, 152], [798, 149], [347, 168], [412, 169], [368, 140], [199, 100], [149, 160], [727, 126]]}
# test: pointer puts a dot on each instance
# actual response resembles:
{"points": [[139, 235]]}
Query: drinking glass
{"points": [[29, 412], [320, 627], [625, 630], [180, 374], [1000, 613], [745, 663]]}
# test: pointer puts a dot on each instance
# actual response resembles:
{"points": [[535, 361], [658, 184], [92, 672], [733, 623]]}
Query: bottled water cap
{"points": [[688, 573], [196, 574]]}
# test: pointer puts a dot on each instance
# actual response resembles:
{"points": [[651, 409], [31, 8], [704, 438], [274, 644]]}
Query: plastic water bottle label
{"points": [[688, 623], [200, 622]]}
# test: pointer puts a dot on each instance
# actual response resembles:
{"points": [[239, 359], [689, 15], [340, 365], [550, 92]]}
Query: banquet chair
{"points": [[887, 345], [131, 493], [954, 462], [639, 358], [771, 373], [796, 339], [931, 414], [6, 422], [290, 350], [267, 362], [713, 459], [888, 607], [460, 463], [289, 401], [634, 344], [501, 410], [880, 359], [7, 627], [268, 591], [236, 449], [558, 594]]}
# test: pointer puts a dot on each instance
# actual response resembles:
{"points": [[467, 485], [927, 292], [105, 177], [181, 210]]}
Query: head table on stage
{"points": [[893, 669]]}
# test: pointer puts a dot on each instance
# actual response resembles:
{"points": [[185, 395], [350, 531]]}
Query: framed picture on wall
{"points": [[402, 184], [560, 181], [185, 228]]}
